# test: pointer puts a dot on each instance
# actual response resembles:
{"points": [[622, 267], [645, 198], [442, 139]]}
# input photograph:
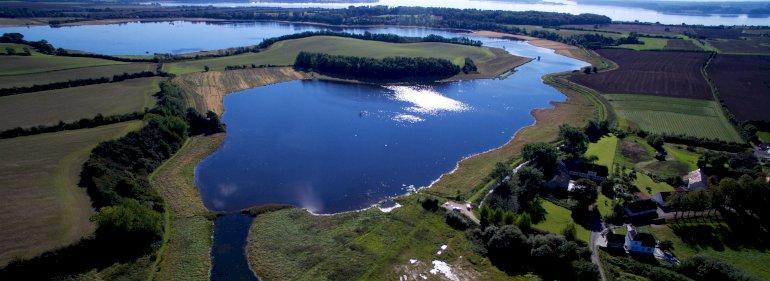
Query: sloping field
{"points": [[668, 74], [16, 48], [72, 104], [25, 80], [681, 44], [649, 43], [283, 53], [15, 65], [673, 116], [749, 45], [42, 207], [744, 84]]}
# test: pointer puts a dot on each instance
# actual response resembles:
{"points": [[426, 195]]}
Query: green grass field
{"points": [[292, 244], [30, 79], [284, 52], [650, 187], [663, 115], [71, 104], [649, 44], [43, 208], [556, 218], [764, 136], [681, 154], [605, 150], [17, 65], [748, 259], [17, 48]]}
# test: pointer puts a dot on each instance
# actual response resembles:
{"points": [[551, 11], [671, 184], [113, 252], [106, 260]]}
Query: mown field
{"points": [[283, 53], [292, 244], [16, 65], [43, 208], [72, 104], [668, 74], [29, 79], [742, 82], [557, 218], [673, 116], [649, 43]]}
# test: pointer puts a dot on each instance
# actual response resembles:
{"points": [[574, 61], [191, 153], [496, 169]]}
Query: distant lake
{"points": [[616, 13]]}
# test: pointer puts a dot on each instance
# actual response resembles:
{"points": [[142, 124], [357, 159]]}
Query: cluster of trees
{"points": [[714, 144], [549, 255], [75, 83], [98, 120], [371, 68], [469, 66], [382, 37], [17, 38], [12, 52]]}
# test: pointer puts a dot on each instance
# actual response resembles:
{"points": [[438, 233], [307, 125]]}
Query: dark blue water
{"points": [[230, 241]]}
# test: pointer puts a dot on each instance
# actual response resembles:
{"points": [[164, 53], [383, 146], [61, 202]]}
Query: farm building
{"points": [[695, 180], [614, 242], [638, 242], [641, 208], [586, 170], [661, 197]]}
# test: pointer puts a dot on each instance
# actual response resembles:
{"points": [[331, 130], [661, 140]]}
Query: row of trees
{"points": [[75, 83], [382, 37], [371, 68], [98, 120]]}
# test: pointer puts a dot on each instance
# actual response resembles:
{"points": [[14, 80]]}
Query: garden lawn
{"points": [[643, 182], [604, 149], [681, 154], [557, 218]]}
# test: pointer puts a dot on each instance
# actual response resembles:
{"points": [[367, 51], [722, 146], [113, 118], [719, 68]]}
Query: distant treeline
{"points": [[98, 120], [369, 15], [371, 68], [382, 37], [75, 83]]}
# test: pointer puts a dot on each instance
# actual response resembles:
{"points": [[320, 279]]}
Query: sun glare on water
{"points": [[424, 100]]}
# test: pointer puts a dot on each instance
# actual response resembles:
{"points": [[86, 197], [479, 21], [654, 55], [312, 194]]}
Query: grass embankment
{"points": [[207, 89], [29, 79], [292, 244], [43, 208], [664, 115], [72, 104], [36, 63], [713, 239], [283, 53], [186, 252]]}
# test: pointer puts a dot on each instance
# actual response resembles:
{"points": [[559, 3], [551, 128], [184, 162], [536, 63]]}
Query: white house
{"points": [[639, 243], [696, 180]]}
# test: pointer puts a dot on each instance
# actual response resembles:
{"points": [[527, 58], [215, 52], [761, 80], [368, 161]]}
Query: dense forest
{"points": [[370, 68]]}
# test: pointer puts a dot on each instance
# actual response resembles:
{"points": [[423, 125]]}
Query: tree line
{"points": [[76, 83], [17, 38], [382, 37], [371, 68], [98, 120]]}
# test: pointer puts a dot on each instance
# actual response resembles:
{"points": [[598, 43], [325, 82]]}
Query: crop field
{"points": [[649, 44], [668, 74], [16, 65], [638, 28], [283, 53], [72, 104], [681, 44], [697, 118], [566, 32], [743, 84], [747, 45], [25, 80], [42, 206]]}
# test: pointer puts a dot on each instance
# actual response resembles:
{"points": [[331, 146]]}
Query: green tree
{"points": [[543, 156], [574, 141]]}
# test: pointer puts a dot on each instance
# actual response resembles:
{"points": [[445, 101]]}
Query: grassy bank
{"points": [[292, 244], [43, 208], [72, 104], [283, 53], [186, 251]]}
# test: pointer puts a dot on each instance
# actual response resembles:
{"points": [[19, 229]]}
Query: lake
{"points": [[616, 13]]}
